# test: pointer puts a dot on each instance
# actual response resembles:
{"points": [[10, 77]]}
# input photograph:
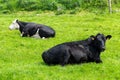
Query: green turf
{"points": [[20, 58]]}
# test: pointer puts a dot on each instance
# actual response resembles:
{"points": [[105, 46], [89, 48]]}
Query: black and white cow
{"points": [[77, 52], [32, 29]]}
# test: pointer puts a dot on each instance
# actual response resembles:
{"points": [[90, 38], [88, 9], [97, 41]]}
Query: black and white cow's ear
{"points": [[108, 37], [16, 20]]}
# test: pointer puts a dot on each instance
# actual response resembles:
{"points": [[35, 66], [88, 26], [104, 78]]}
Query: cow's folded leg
{"points": [[98, 60], [65, 59]]}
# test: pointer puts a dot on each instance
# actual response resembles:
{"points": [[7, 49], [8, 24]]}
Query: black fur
{"points": [[29, 29], [77, 52]]}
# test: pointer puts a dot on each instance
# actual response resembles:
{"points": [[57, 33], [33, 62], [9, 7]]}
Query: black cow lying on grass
{"points": [[32, 29], [77, 52]]}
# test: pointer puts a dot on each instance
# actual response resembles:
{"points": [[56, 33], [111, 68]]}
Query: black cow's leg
{"points": [[65, 58], [98, 60]]}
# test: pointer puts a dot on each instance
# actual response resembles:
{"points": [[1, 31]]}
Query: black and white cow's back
{"points": [[41, 30], [77, 52]]}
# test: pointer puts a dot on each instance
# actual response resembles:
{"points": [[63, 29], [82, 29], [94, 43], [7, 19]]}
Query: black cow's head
{"points": [[99, 40]]}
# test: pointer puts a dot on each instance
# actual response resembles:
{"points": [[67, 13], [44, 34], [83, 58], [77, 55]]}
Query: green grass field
{"points": [[20, 58]]}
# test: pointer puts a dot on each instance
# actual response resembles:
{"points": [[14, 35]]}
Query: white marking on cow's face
{"points": [[14, 25], [36, 35]]}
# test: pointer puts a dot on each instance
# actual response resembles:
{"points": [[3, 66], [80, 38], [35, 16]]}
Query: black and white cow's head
{"points": [[99, 41], [14, 25]]}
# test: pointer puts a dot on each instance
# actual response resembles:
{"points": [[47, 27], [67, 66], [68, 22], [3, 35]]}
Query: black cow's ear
{"points": [[92, 37], [98, 34], [108, 36]]}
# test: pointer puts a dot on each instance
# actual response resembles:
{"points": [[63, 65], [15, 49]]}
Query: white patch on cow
{"points": [[36, 35], [22, 34], [43, 37], [14, 25]]}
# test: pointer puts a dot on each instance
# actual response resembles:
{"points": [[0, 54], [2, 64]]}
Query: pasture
{"points": [[20, 58]]}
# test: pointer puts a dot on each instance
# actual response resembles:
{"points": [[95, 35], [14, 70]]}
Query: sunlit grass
{"points": [[20, 58]]}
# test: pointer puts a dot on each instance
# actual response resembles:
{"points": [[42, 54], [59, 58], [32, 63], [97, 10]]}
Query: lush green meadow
{"points": [[20, 58]]}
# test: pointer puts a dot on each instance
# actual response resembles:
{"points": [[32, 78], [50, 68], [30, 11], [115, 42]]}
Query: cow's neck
{"points": [[22, 25], [94, 52]]}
